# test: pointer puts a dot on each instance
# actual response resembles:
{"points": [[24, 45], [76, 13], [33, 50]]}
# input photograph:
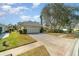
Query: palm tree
{"points": [[41, 19]]}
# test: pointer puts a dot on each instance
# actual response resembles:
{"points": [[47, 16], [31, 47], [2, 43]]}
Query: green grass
{"points": [[39, 51], [15, 40]]}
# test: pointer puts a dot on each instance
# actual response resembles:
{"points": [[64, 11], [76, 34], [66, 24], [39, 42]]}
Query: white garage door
{"points": [[33, 30]]}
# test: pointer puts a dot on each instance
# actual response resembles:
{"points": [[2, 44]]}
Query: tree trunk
{"points": [[41, 20]]}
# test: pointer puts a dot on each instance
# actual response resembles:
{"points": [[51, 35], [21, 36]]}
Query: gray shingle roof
{"points": [[29, 23]]}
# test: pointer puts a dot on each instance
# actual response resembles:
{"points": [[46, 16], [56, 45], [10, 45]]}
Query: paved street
{"points": [[56, 46]]}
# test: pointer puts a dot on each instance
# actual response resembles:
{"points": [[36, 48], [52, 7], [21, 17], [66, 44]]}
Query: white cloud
{"points": [[10, 3], [25, 18], [6, 7], [30, 18], [37, 16], [22, 8], [15, 10], [34, 5], [18, 9]]}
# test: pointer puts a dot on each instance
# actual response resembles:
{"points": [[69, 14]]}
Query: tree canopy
{"points": [[57, 16]]}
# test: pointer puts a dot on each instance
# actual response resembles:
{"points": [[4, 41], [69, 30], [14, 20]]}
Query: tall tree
{"points": [[57, 15]]}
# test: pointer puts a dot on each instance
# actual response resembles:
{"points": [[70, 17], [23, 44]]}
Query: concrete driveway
{"points": [[56, 46]]}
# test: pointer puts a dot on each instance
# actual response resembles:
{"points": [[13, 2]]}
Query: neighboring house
{"points": [[31, 27], [2, 28]]}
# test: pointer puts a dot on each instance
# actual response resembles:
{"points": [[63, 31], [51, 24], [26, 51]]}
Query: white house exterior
{"points": [[31, 27]]}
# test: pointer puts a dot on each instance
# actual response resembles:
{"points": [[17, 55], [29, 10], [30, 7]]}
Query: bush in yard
{"points": [[70, 30], [55, 31], [5, 43], [24, 31], [20, 31], [42, 30], [60, 31], [7, 31]]}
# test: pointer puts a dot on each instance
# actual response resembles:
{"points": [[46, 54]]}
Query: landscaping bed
{"points": [[39, 51], [15, 40]]}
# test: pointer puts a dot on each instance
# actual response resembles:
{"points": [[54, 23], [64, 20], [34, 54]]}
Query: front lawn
{"points": [[55, 34], [63, 35], [15, 40], [39, 51]]}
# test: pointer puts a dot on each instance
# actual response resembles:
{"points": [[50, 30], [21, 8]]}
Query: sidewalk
{"points": [[21, 49]]}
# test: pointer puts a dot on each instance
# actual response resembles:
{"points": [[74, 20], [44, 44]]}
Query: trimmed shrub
{"points": [[42, 30], [24, 31], [5, 43], [20, 31]]}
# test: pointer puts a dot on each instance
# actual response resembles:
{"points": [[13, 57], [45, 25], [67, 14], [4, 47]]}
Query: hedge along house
{"points": [[3, 28], [30, 27]]}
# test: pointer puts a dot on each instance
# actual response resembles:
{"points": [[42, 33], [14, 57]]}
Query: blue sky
{"points": [[11, 13]]}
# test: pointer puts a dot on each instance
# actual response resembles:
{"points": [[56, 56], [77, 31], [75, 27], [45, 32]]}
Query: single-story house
{"points": [[2, 28], [31, 27]]}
